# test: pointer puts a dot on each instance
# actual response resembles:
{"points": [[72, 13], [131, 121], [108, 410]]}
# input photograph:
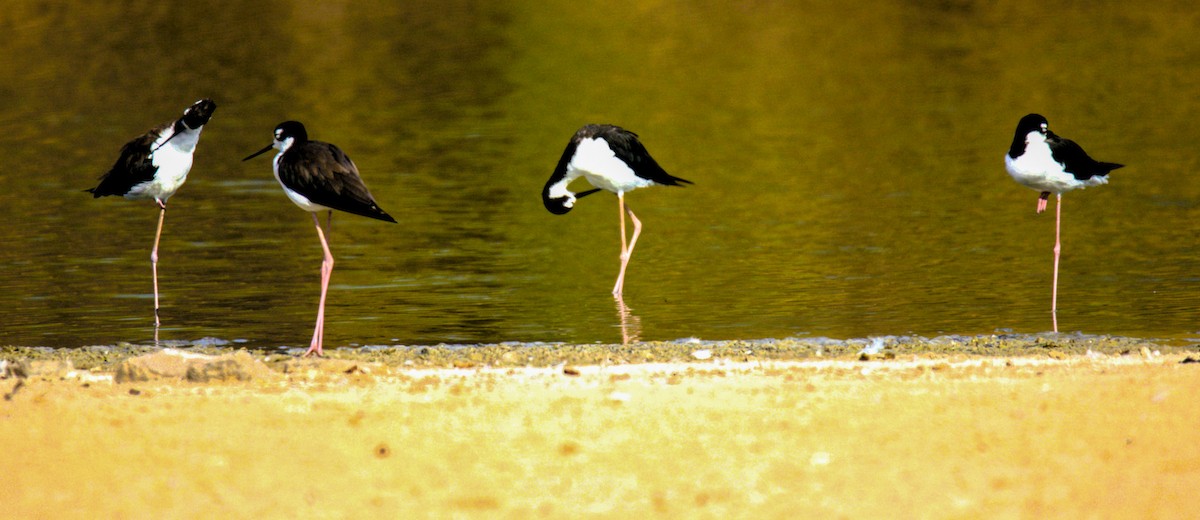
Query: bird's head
{"points": [[1033, 123], [286, 134], [1031, 128], [198, 114], [559, 200]]}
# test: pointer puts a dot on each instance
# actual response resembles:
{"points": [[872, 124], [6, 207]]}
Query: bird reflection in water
{"points": [[631, 325]]}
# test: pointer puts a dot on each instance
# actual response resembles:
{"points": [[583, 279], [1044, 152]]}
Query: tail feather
{"points": [[674, 181]]}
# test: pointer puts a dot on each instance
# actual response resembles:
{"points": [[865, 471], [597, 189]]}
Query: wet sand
{"points": [[1075, 428]]}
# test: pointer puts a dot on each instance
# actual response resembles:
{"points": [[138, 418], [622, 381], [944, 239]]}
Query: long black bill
{"points": [[583, 194], [164, 143], [260, 152], [175, 129]]}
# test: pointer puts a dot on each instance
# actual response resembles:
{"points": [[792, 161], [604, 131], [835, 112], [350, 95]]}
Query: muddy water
{"points": [[847, 163]]}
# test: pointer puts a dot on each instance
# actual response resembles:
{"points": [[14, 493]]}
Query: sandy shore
{"points": [[722, 430]]}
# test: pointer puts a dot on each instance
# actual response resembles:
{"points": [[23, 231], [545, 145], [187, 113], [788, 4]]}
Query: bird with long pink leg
{"points": [[1040, 159], [318, 176], [154, 166], [612, 159]]}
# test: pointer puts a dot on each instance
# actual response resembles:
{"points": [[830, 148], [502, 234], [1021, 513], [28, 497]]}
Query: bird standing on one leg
{"points": [[610, 158], [317, 176], [1048, 163], [153, 166]]}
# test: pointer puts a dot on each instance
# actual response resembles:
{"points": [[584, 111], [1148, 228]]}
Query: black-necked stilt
{"points": [[610, 158], [154, 165], [317, 176], [1048, 163]]}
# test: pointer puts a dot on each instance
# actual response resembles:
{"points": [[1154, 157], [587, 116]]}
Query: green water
{"points": [[847, 160]]}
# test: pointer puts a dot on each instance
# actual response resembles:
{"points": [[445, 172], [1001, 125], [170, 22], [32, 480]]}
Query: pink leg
{"points": [[1057, 249], [1042, 200], [326, 272], [626, 250], [162, 214], [637, 231]]}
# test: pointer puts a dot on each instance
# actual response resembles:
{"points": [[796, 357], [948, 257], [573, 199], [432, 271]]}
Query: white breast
{"points": [[1037, 169], [173, 158], [296, 198]]}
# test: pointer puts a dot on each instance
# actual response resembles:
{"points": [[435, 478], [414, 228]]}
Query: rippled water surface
{"points": [[847, 162]]}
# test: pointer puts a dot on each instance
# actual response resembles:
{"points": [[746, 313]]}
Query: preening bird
{"points": [[1048, 163], [154, 165], [611, 158]]}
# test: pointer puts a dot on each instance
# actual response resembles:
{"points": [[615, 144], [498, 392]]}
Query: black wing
{"points": [[1076, 161], [326, 176], [628, 148], [133, 167]]}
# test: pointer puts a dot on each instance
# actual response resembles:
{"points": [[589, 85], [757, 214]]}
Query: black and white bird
{"points": [[154, 165], [611, 158], [317, 176], [1048, 163]]}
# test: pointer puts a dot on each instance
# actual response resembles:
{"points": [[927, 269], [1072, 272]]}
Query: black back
{"points": [[1076, 161], [325, 175]]}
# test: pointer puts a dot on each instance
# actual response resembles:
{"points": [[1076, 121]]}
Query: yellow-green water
{"points": [[847, 161]]}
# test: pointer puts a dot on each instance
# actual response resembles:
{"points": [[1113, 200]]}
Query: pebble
{"points": [[619, 397], [820, 458]]}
